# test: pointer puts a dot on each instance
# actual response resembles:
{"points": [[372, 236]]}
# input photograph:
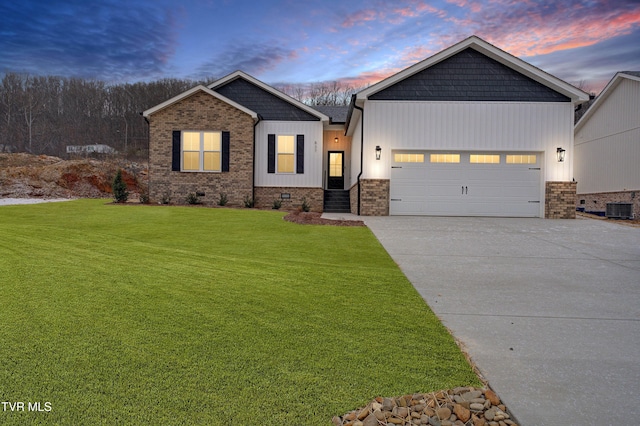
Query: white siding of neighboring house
{"points": [[312, 131], [468, 126], [607, 145]]}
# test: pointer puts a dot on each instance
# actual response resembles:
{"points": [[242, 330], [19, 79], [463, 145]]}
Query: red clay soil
{"points": [[42, 176]]}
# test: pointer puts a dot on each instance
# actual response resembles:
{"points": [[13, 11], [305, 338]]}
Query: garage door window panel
{"points": [[522, 159], [444, 158], [484, 159]]}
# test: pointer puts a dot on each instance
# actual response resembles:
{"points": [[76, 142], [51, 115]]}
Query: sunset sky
{"points": [[300, 41]]}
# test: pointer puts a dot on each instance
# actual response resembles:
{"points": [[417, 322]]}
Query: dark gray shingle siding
{"points": [[469, 76], [267, 105]]}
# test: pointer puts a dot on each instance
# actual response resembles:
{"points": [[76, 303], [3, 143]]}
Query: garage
{"points": [[439, 183]]}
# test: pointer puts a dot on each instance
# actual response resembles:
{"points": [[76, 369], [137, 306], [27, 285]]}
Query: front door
{"points": [[336, 170]]}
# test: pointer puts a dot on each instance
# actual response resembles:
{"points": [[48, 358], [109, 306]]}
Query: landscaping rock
{"points": [[463, 406]]}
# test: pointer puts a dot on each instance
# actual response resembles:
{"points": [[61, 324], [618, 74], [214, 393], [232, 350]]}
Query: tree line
{"points": [[45, 114]]}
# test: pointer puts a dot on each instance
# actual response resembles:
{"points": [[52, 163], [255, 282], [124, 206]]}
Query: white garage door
{"points": [[465, 184]]}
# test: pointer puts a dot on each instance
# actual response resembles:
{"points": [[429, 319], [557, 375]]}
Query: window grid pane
{"points": [[408, 158], [211, 141], [211, 162], [445, 158], [522, 159], [191, 161], [484, 159], [191, 141], [285, 163]]}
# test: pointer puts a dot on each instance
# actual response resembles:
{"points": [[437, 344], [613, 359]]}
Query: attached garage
{"points": [[440, 183], [469, 131]]}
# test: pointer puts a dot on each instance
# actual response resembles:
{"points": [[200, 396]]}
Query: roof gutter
{"points": [[361, 148]]}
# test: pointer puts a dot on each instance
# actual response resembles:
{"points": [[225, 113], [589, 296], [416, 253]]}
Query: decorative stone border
{"points": [[463, 406]]}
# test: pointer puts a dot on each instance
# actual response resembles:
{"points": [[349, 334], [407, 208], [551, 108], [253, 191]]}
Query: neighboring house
{"points": [[470, 131], [89, 149], [607, 147]]}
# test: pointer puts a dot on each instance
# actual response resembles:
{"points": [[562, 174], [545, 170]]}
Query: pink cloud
{"points": [[359, 17], [392, 14], [524, 28]]}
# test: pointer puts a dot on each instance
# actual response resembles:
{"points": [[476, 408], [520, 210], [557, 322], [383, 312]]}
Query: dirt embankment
{"points": [[42, 176]]}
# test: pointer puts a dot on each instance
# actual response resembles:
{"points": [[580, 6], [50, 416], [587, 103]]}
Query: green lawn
{"points": [[176, 315]]}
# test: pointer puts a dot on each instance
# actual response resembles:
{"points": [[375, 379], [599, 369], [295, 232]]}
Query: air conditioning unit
{"points": [[619, 210]]}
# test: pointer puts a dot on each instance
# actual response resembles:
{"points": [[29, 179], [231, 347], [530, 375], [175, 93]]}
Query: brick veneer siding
{"points": [[266, 195], [374, 197], [201, 112], [353, 199], [560, 200], [597, 202]]}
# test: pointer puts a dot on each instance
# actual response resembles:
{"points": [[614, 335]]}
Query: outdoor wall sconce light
{"points": [[378, 152], [560, 153], [335, 140]]}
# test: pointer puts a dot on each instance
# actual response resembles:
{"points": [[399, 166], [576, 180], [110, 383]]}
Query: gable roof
{"points": [[268, 102], [576, 95], [469, 75], [337, 113], [476, 43], [191, 92], [609, 88]]}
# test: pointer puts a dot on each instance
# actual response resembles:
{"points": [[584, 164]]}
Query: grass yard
{"points": [[176, 315]]}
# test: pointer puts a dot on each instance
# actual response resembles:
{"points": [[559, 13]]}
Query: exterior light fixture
{"points": [[378, 152], [560, 153], [335, 140]]}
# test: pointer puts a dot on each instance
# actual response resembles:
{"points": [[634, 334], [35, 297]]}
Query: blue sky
{"points": [[299, 41]]}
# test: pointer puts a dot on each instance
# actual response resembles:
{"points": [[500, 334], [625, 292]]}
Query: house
{"points": [[90, 149], [607, 147], [470, 131]]}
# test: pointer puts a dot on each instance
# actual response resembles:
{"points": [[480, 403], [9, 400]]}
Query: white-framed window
{"points": [[201, 151], [285, 154]]}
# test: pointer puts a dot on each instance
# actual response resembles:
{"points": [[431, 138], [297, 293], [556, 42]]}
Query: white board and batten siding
{"points": [[607, 146], [463, 128], [313, 133]]}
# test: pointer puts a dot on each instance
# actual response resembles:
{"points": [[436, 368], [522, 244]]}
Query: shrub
{"points": [[222, 201], [276, 204], [119, 187], [249, 202], [166, 198], [305, 207], [193, 198], [144, 197]]}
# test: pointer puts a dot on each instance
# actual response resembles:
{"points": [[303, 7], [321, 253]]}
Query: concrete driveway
{"points": [[549, 310]]}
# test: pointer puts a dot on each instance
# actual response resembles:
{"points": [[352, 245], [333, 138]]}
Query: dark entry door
{"points": [[336, 170]]}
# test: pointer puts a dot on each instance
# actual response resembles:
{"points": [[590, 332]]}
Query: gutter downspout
{"points": [[253, 166], [361, 149]]}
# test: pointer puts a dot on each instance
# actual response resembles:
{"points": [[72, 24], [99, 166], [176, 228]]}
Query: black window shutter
{"points": [[300, 154], [271, 155], [226, 146], [175, 151]]}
